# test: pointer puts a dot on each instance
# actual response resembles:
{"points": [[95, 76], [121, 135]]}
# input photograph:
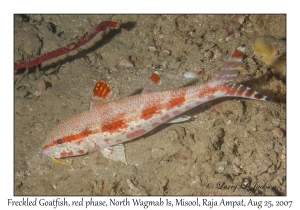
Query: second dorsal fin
{"points": [[152, 84]]}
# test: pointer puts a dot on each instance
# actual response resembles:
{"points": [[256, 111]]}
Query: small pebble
{"points": [[240, 19], [152, 49], [37, 93], [272, 169], [272, 52], [277, 132], [236, 169], [41, 85], [195, 183], [264, 49], [113, 69], [246, 182], [190, 75], [123, 61], [221, 169]]}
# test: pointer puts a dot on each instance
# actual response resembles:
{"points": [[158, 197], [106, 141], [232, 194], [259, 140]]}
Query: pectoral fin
{"points": [[116, 153]]}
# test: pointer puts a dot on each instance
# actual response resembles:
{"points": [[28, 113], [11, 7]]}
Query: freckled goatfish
{"points": [[111, 121]]}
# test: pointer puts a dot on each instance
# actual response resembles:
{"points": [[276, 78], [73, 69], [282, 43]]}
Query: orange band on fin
{"points": [[101, 89], [155, 78]]}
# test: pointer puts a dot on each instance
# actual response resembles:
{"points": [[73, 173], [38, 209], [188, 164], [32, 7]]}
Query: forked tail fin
{"points": [[226, 74]]}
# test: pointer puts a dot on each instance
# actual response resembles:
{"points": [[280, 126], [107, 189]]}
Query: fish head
{"points": [[65, 140], [60, 147]]}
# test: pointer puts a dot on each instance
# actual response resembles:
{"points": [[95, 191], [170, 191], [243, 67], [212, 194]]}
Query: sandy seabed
{"points": [[232, 146]]}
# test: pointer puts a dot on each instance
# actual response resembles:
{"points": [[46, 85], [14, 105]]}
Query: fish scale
{"points": [[110, 123]]}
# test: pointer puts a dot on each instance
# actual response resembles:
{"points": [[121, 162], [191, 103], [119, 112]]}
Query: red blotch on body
{"points": [[155, 124], [79, 142], [176, 112], [210, 90], [75, 137], [114, 126], [47, 146], [210, 97], [80, 151], [64, 153], [175, 102], [87, 132], [188, 108], [165, 118], [198, 102], [69, 139], [136, 134], [149, 112]]}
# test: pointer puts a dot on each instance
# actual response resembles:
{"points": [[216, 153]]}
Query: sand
{"points": [[231, 146]]}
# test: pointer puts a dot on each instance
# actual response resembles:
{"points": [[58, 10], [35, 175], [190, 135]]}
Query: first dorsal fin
{"points": [[101, 94], [152, 84]]}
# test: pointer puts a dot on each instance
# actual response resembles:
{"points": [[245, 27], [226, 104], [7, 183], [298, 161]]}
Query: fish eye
{"points": [[59, 141]]}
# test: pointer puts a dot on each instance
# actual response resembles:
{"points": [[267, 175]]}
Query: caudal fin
{"points": [[226, 74]]}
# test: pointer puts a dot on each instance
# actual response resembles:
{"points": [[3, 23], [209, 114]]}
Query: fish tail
{"points": [[225, 78]]}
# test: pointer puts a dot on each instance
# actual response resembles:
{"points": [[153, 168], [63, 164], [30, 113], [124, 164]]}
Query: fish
{"points": [[111, 121]]}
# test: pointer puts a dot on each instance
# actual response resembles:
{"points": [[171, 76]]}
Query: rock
{"points": [[272, 52]]}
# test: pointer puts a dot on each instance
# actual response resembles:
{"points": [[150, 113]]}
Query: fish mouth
{"points": [[46, 152], [49, 153]]}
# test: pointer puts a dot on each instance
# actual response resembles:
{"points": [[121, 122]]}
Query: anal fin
{"points": [[179, 119], [115, 152]]}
